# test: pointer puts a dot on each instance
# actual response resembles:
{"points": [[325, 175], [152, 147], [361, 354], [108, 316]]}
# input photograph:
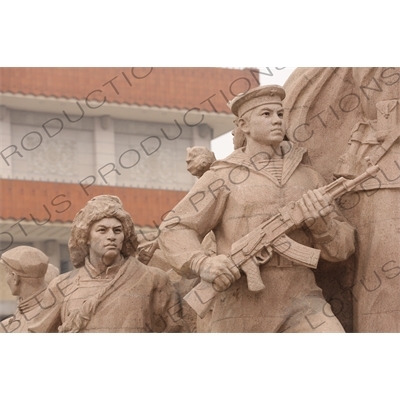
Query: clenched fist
{"points": [[219, 271], [316, 207]]}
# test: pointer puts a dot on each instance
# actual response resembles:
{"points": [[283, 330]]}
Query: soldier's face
{"points": [[266, 125], [106, 238]]}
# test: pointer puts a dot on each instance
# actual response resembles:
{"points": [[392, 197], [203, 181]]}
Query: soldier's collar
{"points": [[31, 302]]}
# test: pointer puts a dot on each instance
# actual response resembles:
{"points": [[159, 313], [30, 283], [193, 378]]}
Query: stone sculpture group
{"points": [[259, 244]]}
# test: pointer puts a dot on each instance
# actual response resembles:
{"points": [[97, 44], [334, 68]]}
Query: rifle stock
{"points": [[201, 297]]}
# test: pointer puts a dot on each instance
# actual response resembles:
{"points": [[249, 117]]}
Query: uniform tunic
{"points": [[140, 299], [26, 311], [232, 199]]}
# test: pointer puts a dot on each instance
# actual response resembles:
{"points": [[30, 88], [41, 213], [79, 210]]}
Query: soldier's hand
{"points": [[219, 271], [316, 207]]}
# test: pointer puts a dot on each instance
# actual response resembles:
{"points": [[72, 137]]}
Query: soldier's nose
{"points": [[277, 120]]}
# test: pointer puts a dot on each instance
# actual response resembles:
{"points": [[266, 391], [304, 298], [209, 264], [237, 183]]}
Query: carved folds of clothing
{"points": [[376, 214], [233, 198], [27, 310], [125, 298]]}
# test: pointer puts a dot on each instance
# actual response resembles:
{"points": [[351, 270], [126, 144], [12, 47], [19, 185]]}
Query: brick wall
{"points": [[184, 88], [24, 199]]}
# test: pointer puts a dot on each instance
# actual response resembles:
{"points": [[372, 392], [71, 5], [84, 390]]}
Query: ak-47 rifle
{"points": [[257, 247]]}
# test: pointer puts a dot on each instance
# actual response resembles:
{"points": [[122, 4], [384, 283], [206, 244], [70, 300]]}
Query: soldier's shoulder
{"points": [[153, 272], [63, 277]]}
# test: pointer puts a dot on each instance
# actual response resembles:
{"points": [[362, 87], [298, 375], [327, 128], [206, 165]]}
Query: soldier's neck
{"points": [[100, 264], [29, 289], [267, 151]]}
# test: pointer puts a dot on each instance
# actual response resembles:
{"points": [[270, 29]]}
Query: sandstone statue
{"points": [[109, 290], [199, 160], [344, 116], [52, 273], [233, 198], [26, 269]]}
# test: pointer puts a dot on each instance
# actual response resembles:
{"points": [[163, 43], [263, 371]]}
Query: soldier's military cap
{"points": [[26, 261], [268, 94]]}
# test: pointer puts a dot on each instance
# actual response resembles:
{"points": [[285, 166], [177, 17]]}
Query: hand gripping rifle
{"points": [[257, 247]]}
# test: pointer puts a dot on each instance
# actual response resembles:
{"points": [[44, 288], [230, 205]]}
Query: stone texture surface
{"points": [[26, 271], [233, 198], [347, 118], [343, 115], [110, 290]]}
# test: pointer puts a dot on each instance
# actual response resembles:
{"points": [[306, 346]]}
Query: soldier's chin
{"points": [[111, 256]]}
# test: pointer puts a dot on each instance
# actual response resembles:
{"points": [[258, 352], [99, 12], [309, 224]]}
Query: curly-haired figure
{"points": [[199, 160], [110, 290]]}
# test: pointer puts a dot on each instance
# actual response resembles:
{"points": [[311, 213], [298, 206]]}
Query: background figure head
{"points": [[52, 272], [199, 160], [104, 206], [26, 268]]}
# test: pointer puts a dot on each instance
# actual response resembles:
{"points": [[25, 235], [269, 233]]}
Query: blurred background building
{"points": [[69, 134]]}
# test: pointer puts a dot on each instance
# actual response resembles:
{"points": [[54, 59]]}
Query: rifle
{"points": [[257, 247]]}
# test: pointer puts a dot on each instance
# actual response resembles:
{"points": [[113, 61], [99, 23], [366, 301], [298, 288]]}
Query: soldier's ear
{"points": [[16, 279], [243, 125]]}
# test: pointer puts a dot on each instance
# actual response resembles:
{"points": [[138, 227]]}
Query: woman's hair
{"points": [[201, 158], [104, 206]]}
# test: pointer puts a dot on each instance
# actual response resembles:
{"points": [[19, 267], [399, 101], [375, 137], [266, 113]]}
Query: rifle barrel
{"points": [[346, 185]]}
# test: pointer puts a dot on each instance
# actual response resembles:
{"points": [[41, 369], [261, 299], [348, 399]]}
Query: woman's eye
{"points": [[266, 114]]}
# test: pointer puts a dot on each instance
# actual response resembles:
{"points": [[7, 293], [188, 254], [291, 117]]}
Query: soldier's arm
{"points": [[330, 231], [184, 229]]}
